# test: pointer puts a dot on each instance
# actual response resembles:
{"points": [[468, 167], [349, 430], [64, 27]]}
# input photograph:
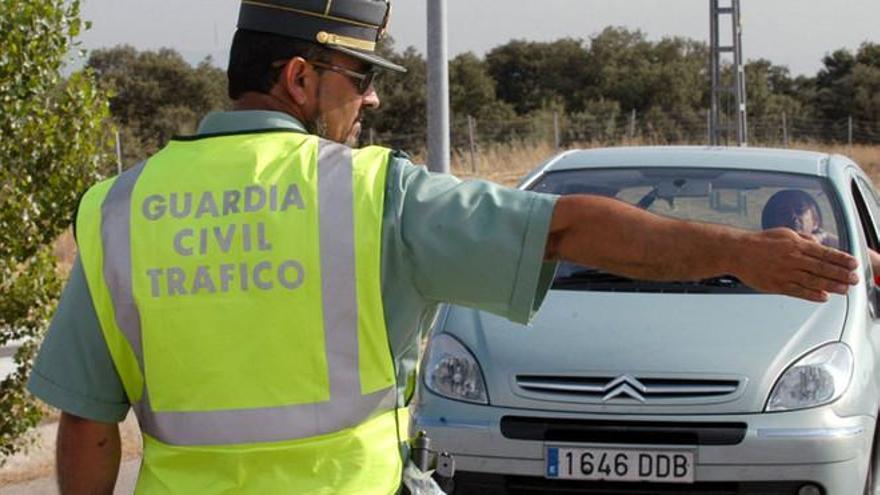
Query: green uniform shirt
{"points": [[470, 243]]}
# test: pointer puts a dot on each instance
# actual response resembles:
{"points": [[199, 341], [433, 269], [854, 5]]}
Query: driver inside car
{"points": [[799, 211]]}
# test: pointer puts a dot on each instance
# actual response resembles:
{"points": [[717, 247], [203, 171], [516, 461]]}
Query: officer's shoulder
{"points": [[400, 154], [392, 153]]}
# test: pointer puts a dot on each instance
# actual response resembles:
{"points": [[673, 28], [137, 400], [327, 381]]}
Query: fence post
{"points": [[709, 127], [784, 131], [372, 136], [472, 139], [118, 153], [556, 140], [849, 134], [632, 124]]}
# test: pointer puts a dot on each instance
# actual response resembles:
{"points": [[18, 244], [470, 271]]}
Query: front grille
{"points": [[466, 483], [625, 388], [622, 432]]}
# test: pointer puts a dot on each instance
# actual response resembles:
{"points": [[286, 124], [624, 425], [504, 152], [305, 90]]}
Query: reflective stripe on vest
{"points": [[346, 407]]}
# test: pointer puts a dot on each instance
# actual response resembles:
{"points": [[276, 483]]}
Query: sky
{"points": [[793, 33]]}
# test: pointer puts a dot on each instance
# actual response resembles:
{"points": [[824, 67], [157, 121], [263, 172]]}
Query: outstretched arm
{"points": [[617, 237], [87, 456]]}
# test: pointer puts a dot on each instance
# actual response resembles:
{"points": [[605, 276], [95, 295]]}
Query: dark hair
{"points": [[777, 212], [252, 56]]}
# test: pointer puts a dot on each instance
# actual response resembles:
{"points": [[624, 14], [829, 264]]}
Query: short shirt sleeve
{"points": [[474, 243], [73, 370]]}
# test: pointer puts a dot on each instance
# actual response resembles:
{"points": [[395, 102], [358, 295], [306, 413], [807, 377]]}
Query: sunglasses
{"points": [[362, 81]]}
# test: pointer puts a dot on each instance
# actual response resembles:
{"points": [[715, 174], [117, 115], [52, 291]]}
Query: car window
{"points": [[752, 200], [869, 197], [865, 202], [866, 216]]}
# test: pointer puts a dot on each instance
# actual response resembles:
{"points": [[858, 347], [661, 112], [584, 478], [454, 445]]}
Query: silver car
{"points": [[626, 386]]}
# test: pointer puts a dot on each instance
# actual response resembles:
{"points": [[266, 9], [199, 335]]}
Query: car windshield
{"points": [[739, 198]]}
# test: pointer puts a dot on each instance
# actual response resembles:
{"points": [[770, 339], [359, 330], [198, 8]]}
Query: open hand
{"points": [[784, 262]]}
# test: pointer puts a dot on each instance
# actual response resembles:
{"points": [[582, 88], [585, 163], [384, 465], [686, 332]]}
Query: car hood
{"points": [[707, 353]]}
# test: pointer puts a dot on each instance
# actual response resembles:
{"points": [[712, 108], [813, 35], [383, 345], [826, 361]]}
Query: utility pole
{"points": [[438, 88], [737, 88]]}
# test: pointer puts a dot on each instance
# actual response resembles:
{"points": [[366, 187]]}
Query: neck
{"points": [[260, 101]]}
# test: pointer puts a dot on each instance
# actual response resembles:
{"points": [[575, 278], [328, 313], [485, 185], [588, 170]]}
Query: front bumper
{"points": [[813, 445]]}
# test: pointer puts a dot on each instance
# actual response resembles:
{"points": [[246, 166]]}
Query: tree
{"points": [[847, 86], [471, 88], [533, 75], [771, 92], [472, 93], [51, 150], [402, 117], [156, 95], [834, 88]]}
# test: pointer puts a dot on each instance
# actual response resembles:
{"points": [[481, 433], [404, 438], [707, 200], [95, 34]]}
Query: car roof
{"points": [[765, 159]]}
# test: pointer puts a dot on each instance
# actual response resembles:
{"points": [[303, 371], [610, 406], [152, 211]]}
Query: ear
{"points": [[298, 79]]}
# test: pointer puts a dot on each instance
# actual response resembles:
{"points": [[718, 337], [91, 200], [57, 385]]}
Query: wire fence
{"points": [[469, 134], [473, 138]]}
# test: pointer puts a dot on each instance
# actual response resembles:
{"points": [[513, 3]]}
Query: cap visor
{"points": [[370, 58]]}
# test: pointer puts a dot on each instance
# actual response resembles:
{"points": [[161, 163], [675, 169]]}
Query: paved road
{"points": [[47, 486], [7, 353]]}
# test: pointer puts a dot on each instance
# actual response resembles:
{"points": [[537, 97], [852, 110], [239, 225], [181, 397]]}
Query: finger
{"points": [[801, 292], [830, 271], [814, 282], [806, 237], [829, 255]]}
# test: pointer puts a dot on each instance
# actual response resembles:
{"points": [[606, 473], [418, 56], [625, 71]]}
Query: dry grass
{"points": [[505, 164], [868, 157]]}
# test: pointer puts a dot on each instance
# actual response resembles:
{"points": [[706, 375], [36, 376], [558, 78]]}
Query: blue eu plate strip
{"points": [[552, 463]]}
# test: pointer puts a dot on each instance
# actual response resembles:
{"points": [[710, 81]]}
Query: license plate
{"points": [[669, 466]]}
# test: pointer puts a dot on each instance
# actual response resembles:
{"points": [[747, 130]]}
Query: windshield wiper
{"points": [[592, 276], [722, 281]]}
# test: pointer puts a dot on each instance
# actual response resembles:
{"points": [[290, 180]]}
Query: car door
{"points": [[868, 212], [867, 205]]}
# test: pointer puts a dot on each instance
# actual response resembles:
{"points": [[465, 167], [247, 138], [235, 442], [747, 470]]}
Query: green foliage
{"points": [[51, 150], [156, 95], [592, 87], [531, 75], [848, 86], [472, 90], [597, 122], [402, 117]]}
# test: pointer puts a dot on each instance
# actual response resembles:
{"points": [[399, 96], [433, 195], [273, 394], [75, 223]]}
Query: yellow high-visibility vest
{"points": [[237, 282]]}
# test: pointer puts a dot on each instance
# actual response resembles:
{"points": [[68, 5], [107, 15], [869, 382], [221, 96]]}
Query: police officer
{"points": [[256, 293]]}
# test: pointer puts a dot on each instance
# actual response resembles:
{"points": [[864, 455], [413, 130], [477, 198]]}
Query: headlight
{"points": [[452, 371], [818, 378]]}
